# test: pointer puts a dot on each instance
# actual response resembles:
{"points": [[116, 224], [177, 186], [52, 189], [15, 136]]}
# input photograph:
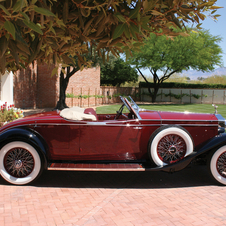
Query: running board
{"points": [[96, 167]]}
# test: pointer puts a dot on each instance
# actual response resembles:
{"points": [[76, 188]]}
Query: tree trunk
{"points": [[155, 92], [61, 104], [156, 87]]}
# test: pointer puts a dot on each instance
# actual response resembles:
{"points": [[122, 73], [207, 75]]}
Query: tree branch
{"points": [[69, 74], [149, 89], [142, 75], [167, 76]]}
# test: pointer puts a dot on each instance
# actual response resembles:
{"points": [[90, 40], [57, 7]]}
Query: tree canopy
{"points": [[54, 31], [117, 72], [160, 54]]}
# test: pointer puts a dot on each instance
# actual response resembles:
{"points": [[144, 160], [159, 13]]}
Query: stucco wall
{"points": [[6, 88]]}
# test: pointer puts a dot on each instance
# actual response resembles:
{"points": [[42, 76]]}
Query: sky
{"points": [[219, 27]]}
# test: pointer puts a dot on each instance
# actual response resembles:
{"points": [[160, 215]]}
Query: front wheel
{"points": [[20, 163], [169, 144], [217, 165]]}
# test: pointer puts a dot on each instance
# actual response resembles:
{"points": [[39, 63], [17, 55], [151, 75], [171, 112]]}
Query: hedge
{"points": [[184, 85]]}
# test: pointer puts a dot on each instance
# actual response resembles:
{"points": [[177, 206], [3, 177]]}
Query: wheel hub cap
{"points": [[173, 149], [18, 164]]}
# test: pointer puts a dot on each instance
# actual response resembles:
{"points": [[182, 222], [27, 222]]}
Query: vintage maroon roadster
{"points": [[141, 140]]}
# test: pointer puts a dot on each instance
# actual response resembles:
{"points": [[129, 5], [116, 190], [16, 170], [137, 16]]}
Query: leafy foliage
{"points": [[198, 50], [54, 31], [117, 72]]}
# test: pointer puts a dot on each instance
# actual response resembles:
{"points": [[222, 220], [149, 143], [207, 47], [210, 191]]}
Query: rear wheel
{"points": [[169, 144], [20, 163], [217, 165]]}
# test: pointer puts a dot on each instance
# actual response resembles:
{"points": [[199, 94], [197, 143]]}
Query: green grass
{"points": [[199, 108]]}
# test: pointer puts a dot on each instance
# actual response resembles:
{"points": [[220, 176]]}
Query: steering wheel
{"points": [[119, 112], [128, 105]]}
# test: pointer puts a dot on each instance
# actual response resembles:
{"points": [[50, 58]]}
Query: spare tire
{"points": [[169, 144]]}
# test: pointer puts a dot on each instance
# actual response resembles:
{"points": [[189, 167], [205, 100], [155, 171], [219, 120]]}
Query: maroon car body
{"points": [[138, 140]]}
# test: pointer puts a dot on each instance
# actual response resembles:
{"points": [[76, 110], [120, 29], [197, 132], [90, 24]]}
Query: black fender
{"points": [[29, 136], [213, 144]]}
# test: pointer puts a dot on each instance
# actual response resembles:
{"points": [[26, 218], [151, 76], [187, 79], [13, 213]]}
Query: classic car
{"points": [[132, 140]]}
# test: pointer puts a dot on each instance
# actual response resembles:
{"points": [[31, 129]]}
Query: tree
{"points": [[59, 32], [198, 50], [117, 72], [52, 31]]}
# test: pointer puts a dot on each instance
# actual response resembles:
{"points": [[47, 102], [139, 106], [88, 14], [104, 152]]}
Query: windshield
{"points": [[131, 105]]}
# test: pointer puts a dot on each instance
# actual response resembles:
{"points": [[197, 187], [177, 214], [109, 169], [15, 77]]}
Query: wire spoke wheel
{"points": [[19, 162], [169, 144], [171, 148], [221, 164], [217, 165]]}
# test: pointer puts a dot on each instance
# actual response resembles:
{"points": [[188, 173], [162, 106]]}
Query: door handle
{"points": [[138, 127]]}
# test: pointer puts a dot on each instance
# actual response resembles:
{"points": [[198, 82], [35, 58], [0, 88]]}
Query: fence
{"points": [[99, 96], [199, 96], [110, 95]]}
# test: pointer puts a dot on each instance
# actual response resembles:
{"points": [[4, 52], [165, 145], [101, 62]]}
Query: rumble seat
{"points": [[77, 113]]}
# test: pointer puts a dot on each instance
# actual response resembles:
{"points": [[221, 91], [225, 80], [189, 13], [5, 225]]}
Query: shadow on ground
{"points": [[190, 177]]}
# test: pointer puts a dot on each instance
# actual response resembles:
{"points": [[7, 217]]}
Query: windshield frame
{"points": [[131, 106]]}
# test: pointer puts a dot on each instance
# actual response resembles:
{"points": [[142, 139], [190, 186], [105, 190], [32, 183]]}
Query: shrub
{"points": [[8, 114]]}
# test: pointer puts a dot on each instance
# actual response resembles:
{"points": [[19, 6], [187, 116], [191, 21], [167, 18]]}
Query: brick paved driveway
{"points": [[59, 198]]}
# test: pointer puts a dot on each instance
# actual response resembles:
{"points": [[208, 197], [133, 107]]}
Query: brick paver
{"points": [[58, 198]]}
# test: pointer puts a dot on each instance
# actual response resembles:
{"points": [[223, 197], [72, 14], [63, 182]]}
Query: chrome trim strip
{"points": [[203, 125], [112, 125], [97, 169], [179, 120]]}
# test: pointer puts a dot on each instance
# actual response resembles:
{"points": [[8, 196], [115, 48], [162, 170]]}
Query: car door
{"points": [[110, 140]]}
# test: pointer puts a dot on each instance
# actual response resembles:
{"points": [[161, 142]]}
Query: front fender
{"points": [[26, 135], [214, 143]]}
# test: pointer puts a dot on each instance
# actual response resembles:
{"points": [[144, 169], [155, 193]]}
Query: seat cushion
{"points": [[91, 111], [76, 114]]}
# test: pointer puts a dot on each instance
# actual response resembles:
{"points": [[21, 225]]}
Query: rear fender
{"points": [[29, 136]]}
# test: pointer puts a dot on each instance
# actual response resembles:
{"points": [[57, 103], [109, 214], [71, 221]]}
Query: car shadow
{"points": [[192, 176], [189, 177]]}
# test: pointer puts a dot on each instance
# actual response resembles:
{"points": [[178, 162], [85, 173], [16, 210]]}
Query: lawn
{"points": [[199, 108]]}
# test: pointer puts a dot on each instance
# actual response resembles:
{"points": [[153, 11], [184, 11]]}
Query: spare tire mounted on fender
{"points": [[169, 144]]}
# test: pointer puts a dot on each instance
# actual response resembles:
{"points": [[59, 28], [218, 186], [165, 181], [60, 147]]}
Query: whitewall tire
{"points": [[170, 144], [20, 163], [217, 165]]}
